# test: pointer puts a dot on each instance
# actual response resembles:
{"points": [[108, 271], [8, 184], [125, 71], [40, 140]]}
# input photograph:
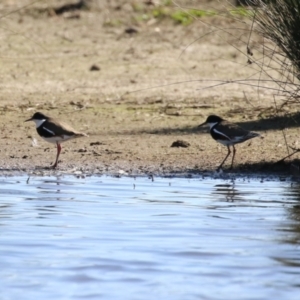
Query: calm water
{"points": [[126, 238]]}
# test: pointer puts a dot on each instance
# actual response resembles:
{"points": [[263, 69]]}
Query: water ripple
{"points": [[134, 238]]}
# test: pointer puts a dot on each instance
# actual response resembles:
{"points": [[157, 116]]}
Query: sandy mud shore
{"points": [[102, 69]]}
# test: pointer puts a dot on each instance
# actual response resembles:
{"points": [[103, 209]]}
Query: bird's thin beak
{"points": [[28, 120], [202, 124]]}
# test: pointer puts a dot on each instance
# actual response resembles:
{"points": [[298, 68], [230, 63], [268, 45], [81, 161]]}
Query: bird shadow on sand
{"points": [[264, 168], [272, 123]]}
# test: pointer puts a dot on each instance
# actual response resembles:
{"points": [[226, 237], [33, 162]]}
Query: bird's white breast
{"points": [[38, 123], [211, 125]]}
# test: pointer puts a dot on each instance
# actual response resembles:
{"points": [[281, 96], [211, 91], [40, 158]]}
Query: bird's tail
{"points": [[80, 134], [253, 135]]}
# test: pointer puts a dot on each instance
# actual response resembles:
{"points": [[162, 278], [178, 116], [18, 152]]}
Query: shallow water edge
{"points": [[282, 173]]}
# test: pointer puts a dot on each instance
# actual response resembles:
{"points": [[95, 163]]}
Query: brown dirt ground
{"points": [[131, 122]]}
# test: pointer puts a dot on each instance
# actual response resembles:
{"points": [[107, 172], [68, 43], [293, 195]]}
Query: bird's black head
{"points": [[38, 116], [212, 119]]}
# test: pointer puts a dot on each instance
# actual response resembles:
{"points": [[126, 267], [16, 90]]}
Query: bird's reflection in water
{"points": [[227, 192], [48, 186], [292, 225]]}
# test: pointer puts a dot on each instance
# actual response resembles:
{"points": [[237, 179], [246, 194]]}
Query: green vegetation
{"points": [[183, 17], [242, 12], [187, 17]]}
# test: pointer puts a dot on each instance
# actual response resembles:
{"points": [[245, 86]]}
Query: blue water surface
{"points": [[134, 238]]}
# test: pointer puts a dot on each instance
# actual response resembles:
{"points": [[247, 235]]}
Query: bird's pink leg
{"points": [[228, 153], [57, 155], [232, 157]]}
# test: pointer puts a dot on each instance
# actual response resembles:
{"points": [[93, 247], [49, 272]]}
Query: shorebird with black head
{"points": [[54, 131], [228, 134]]}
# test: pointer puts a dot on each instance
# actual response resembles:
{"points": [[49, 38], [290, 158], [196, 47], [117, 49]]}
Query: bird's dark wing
{"points": [[52, 128], [232, 130]]}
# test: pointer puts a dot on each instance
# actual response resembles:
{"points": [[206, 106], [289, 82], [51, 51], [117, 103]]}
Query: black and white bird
{"points": [[228, 134], [54, 131]]}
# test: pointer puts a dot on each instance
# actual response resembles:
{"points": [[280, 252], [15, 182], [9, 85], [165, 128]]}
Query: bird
{"points": [[228, 134], [54, 131]]}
